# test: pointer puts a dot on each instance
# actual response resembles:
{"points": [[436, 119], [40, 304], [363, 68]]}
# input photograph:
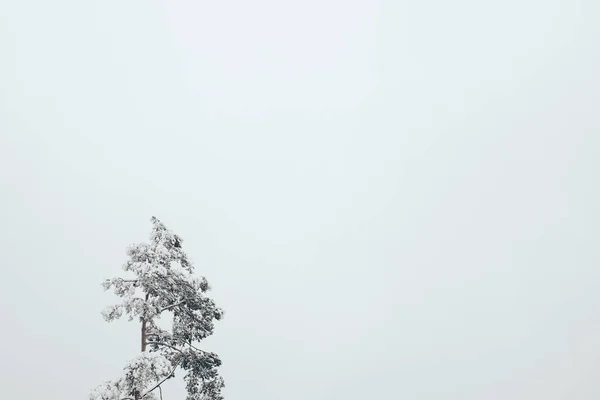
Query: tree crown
{"points": [[164, 281]]}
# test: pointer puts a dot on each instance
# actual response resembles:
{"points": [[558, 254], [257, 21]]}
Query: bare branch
{"points": [[159, 389]]}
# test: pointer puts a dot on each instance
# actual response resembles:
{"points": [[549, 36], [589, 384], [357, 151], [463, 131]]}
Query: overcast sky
{"points": [[392, 199]]}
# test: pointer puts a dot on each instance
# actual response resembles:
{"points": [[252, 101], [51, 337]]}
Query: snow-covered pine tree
{"points": [[163, 281]]}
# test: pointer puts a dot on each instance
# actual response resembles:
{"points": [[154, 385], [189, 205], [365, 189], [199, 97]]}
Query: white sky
{"points": [[391, 199]]}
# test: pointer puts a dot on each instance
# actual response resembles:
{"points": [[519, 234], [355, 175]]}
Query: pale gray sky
{"points": [[392, 199]]}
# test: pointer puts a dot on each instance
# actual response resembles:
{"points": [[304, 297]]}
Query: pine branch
{"points": [[166, 345], [172, 306], [195, 348], [161, 382]]}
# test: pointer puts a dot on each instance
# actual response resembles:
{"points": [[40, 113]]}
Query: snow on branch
{"points": [[164, 280]]}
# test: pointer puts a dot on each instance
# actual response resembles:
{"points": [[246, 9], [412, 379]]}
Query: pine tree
{"points": [[163, 281]]}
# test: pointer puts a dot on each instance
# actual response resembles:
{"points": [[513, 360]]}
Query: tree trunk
{"points": [[138, 394], [143, 336]]}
